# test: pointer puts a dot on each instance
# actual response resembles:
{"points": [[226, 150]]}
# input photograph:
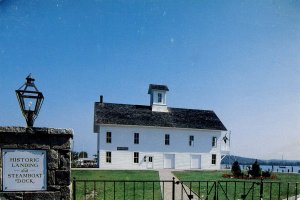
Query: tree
{"points": [[74, 155], [74, 158], [236, 169], [255, 171], [83, 154]]}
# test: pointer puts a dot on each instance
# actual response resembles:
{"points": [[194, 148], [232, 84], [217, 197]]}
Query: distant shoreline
{"points": [[229, 159]]}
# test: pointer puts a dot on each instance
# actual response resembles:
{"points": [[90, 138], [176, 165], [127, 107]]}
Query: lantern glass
{"points": [[30, 100]]}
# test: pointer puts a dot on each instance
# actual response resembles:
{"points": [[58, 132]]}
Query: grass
{"points": [[229, 188], [106, 188]]}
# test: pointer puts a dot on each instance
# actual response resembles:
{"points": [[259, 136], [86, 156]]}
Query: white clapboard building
{"points": [[156, 136]]}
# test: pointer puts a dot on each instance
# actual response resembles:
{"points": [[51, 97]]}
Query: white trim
{"points": [[142, 126], [159, 90], [98, 149]]}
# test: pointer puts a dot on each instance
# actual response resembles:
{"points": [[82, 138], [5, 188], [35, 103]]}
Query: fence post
{"points": [[74, 188], [216, 190], [261, 191], [173, 189]]}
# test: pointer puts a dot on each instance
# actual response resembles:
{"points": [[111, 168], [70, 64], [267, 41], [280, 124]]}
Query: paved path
{"points": [[294, 198], [166, 189]]}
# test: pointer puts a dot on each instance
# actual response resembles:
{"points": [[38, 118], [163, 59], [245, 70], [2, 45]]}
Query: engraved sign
{"points": [[24, 170]]}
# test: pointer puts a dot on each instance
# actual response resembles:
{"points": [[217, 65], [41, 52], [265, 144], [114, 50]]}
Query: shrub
{"points": [[255, 171], [226, 175], [266, 174], [236, 169]]}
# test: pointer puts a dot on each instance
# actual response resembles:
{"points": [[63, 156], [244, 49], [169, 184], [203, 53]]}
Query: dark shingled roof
{"points": [[157, 87], [125, 114]]}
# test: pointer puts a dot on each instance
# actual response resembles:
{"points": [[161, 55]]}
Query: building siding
{"points": [[152, 143]]}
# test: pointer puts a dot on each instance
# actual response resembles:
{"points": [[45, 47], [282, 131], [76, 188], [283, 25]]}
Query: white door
{"points": [[169, 161], [195, 161], [150, 162]]}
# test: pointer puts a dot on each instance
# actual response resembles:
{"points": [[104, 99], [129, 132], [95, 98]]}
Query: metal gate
{"points": [[239, 190]]}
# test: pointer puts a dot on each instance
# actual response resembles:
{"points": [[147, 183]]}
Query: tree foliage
{"points": [[74, 155], [83, 154], [236, 169], [74, 158], [255, 170]]}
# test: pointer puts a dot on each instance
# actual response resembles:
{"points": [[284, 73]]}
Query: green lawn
{"points": [[234, 188], [228, 188], [107, 189]]}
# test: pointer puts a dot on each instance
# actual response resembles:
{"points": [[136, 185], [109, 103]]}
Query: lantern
{"points": [[30, 100]]}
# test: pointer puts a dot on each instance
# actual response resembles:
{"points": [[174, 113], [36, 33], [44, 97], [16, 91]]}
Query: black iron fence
{"points": [[171, 190], [229, 190], [116, 189]]}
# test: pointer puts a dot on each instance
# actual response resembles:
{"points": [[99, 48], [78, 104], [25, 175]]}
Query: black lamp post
{"points": [[30, 100]]}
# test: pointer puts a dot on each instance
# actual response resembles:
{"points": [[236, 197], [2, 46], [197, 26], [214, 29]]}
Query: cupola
{"points": [[158, 98]]}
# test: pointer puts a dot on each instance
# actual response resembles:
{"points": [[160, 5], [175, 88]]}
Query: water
{"points": [[276, 168]]}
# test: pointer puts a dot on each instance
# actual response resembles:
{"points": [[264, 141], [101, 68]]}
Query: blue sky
{"points": [[238, 58]]}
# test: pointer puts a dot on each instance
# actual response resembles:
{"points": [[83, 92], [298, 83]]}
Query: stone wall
{"points": [[57, 143]]}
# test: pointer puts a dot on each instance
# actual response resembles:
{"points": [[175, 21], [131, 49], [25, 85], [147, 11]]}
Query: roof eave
{"points": [[127, 125]]}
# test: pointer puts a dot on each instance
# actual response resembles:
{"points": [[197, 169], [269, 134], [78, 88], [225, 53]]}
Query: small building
{"points": [[156, 136]]}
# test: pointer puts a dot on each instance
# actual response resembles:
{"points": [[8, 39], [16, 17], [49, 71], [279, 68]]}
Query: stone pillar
{"points": [[57, 143]]}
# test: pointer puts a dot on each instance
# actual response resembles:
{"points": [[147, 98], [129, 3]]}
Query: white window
{"points": [[108, 157], [214, 141], [159, 98], [136, 139], [136, 157], [167, 139], [213, 159], [108, 137], [191, 141]]}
